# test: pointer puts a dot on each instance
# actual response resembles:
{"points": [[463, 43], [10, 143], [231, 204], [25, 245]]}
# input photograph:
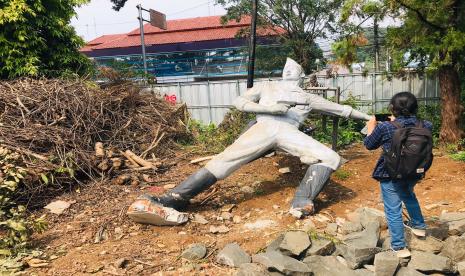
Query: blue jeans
{"points": [[394, 193]]}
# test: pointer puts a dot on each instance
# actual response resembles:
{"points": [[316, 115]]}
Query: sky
{"points": [[98, 18]]}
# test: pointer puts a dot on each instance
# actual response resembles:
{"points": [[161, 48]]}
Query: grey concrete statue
{"points": [[280, 107]]}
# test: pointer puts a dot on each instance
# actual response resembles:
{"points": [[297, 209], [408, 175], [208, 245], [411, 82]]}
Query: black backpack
{"points": [[411, 152]]}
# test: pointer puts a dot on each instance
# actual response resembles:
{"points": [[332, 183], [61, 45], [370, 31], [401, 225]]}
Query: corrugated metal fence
{"points": [[210, 101]]}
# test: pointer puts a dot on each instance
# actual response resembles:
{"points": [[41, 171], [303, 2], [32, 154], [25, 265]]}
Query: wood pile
{"points": [[75, 130]]}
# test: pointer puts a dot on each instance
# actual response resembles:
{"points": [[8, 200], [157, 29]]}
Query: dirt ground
{"points": [[95, 233]]}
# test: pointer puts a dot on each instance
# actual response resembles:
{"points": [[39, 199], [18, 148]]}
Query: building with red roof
{"points": [[192, 48]]}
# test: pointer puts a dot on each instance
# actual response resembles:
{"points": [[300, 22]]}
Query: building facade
{"points": [[188, 50]]}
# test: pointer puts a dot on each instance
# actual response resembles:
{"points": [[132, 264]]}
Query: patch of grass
{"points": [[459, 156], [342, 174]]}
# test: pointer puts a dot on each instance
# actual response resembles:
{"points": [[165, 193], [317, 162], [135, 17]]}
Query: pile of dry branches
{"points": [[57, 125]]}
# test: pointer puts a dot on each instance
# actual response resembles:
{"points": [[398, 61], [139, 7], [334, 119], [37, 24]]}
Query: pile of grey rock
{"points": [[359, 246]]}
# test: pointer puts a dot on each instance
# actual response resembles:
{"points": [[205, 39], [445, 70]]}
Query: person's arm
{"points": [[249, 103], [322, 105], [375, 135]]}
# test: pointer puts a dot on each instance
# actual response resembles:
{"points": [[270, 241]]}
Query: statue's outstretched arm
{"points": [[249, 103], [322, 105]]}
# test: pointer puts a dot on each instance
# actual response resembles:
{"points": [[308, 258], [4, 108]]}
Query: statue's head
{"points": [[292, 70]]}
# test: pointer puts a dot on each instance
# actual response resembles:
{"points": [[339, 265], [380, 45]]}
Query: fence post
{"points": [[210, 116], [336, 121], [373, 92], [180, 93]]}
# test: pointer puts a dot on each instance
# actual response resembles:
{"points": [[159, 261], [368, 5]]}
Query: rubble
{"points": [[327, 266], [350, 227], [282, 263], [454, 248], [59, 206], [294, 243], [426, 244], [428, 262], [219, 229], [194, 252], [320, 247], [233, 255], [461, 268], [455, 221], [386, 263], [407, 271]]}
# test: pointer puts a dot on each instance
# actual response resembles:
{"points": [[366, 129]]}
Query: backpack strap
{"points": [[420, 124], [396, 124]]}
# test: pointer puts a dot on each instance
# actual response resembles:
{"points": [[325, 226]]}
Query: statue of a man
{"points": [[277, 127]]}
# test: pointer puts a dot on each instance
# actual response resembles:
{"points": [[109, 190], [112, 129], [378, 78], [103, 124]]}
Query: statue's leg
{"points": [[250, 145], [322, 160]]}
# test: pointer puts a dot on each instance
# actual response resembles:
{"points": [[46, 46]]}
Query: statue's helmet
{"points": [[292, 70]]}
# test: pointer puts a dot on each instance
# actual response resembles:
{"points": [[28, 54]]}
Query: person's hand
{"points": [[392, 118], [371, 124], [278, 109]]}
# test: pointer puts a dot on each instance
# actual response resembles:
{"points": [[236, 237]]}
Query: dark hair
{"points": [[403, 104]]}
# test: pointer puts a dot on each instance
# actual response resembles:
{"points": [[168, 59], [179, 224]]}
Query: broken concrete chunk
{"points": [[233, 255], [438, 230], [350, 227], [274, 245], [461, 268], [454, 248], [370, 214], [327, 266], [368, 238], [356, 257], [407, 271], [284, 264], [456, 222], [58, 206], [194, 252], [364, 272], [147, 211], [429, 263], [321, 247], [426, 244], [386, 263], [331, 229], [199, 219], [294, 243], [219, 229]]}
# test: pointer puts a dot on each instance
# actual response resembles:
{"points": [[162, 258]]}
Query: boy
{"points": [[404, 107]]}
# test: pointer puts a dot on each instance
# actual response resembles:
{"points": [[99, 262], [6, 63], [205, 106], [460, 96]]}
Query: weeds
{"points": [[342, 174]]}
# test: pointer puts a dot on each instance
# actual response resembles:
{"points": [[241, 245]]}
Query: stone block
{"points": [[284, 264], [454, 248], [233, 255], [386, 263], [321, 247], [430, 263]]}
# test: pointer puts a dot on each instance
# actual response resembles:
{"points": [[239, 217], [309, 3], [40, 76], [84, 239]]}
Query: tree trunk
{"points": [[452, 109]]}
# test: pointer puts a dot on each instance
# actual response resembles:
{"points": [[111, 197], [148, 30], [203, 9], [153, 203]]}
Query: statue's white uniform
{"points": [[278, 131]]}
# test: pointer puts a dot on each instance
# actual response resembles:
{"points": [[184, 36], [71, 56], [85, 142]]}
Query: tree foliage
{"points": [[431, 34], [302, 20], [36, 39]]}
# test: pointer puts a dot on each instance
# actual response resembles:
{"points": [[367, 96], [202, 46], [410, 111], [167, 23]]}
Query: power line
{"points": [[190, 8]]}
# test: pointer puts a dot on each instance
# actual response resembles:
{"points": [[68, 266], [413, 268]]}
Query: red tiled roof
{"points": [[178, 31], [195, 23]]}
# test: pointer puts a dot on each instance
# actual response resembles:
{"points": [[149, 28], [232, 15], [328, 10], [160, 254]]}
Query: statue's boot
{"points": [[178, 198], [316, 177], [163, 210]]}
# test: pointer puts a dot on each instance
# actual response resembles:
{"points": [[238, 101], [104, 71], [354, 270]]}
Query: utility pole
{"points": [[376, 43], [252, 43], [142, 40]]}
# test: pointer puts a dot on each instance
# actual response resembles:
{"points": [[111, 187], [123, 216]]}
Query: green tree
{"points": [[431, 33], [36, 39], [303, 21]]}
